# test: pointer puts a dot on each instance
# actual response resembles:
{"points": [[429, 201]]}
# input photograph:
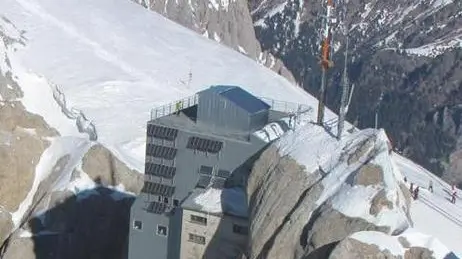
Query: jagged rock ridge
{"points": [[308, 193]]}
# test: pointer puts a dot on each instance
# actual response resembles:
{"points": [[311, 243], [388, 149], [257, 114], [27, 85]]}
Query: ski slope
{"points": [[115, 60], [433, 213]]}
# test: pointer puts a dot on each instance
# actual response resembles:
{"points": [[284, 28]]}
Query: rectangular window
{"points": [[165, 200], [161, 230], [198, 220], [160, 170], [218, 182], [205, 145], [156, 207], [176, 202], [160, 151], [137, 224], [206, 170], [196, 239], [240, 229], [162, 132], [158, 189], [204, 181], [223, 173]]}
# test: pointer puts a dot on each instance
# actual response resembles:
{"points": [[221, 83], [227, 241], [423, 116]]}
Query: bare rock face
{"points": [[20, 247], [103, 167], [352, 248], [22, 141], [6, 225], [227, 22], [300, 214], [370, 244], [273, 216]]}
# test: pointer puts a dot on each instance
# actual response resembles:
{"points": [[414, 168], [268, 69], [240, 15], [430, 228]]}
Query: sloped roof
{"points": [[240, 97]]}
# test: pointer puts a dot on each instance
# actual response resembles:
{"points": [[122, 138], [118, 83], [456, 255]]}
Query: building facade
{"points": [[205, 143]]}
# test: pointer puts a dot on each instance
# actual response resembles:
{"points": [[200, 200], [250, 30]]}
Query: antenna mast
{"points": [[325, 62], [346, 95]]}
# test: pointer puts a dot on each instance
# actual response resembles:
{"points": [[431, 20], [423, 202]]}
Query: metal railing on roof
{"points": [[173, 107], [281, 106], [286, 107]]}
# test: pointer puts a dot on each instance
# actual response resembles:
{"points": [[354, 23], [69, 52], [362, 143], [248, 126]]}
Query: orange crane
{"points": [[325, 61]]}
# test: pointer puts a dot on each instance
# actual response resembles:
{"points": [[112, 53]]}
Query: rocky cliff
{"points": [[227, 22], [409, 51], [309, 194], [60, 196]]}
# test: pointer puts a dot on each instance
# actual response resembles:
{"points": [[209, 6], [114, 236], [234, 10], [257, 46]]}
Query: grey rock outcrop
{"points": [[294, 213], [352, 248], [392, 247], [102, 166]]}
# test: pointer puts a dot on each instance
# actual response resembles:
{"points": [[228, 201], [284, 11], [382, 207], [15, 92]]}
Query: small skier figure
{"points": [[411, 189], [405, 179], [416, 193], [430, 186]]}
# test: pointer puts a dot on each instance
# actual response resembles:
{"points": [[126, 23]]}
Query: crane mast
{"points": [[325, 61]]}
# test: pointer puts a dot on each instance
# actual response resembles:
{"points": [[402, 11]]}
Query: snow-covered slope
{"points": [[106, 67], [115, 71]]}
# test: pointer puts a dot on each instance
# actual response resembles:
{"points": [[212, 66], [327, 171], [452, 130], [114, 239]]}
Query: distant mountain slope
{"points": [[224, 21], [408, 50]]}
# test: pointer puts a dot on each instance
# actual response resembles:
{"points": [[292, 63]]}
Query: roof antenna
{"points": [[347, 93]]}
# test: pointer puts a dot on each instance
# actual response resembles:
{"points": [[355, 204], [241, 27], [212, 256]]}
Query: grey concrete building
{"points": [[196, 144]]}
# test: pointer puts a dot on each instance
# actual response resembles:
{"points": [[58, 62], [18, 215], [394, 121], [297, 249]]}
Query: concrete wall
{"points": [[259, 120], [218, 233], [145, 243]]}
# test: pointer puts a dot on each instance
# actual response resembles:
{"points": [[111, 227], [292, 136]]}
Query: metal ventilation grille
{"points": [[205, 145], [160, 170], [156, 207], [168, 153], [162, 132], [158, 189]]}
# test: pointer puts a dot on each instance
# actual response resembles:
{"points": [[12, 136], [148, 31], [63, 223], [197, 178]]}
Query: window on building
{"points": [[206, 170], [238, 229], [198, 220], [223, 173], [176, 202], [196, 239], [137, 224], [161, 230], [166, 200], [205, 145]]}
